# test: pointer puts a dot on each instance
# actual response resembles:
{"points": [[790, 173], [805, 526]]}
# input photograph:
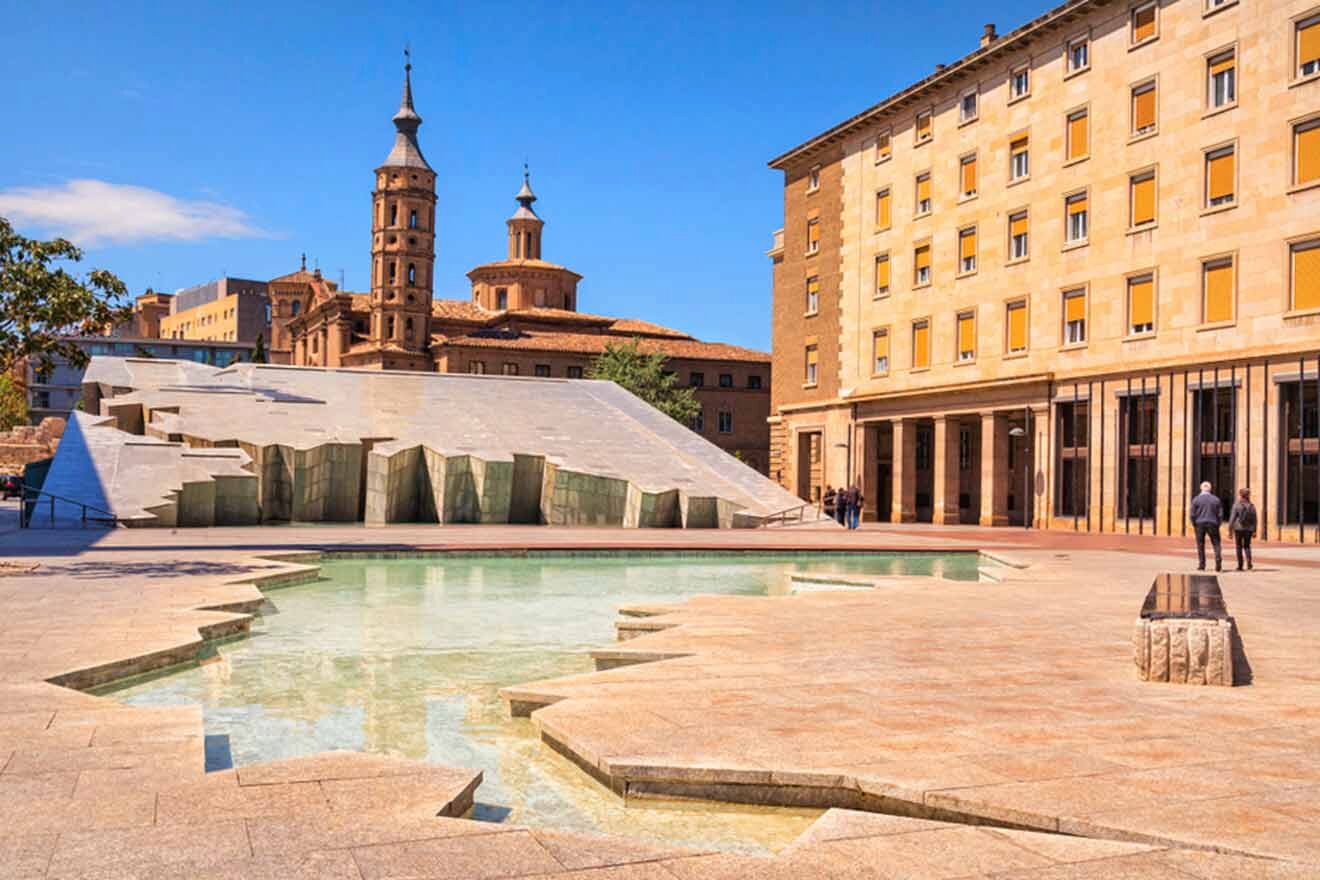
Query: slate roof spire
{"points": [[406, 152]]}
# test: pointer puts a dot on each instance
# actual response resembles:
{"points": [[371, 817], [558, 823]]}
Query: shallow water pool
{"points": [[406, 657]]}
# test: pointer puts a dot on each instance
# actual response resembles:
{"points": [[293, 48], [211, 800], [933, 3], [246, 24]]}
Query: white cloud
{"points": [[92, 212]]}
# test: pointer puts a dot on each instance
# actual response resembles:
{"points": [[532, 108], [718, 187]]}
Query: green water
{"points": [[406, 656]]}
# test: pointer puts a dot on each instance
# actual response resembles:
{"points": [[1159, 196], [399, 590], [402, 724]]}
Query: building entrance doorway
{"points": [[810, 466]]}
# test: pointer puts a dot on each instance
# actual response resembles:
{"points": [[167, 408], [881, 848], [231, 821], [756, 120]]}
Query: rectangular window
{"points": [[1019, 82], [1074, 317], [1017, 326], [923, 194], [696, 380], [880, 353], [753, 383], [1141, 202], [1018, 228], [813, 355], [1306, 275], [813, 179], [1079, 54], [923, 127], [967, 176], [1306, 152], [813, 236], [1141, 304], [1079, 130], [573, 372], [1221, 80], [510, 369], [1019, 165], [1220, 177], [921, 265], [813, 295], [1072, 484], [920, 345], [967, 250], [726, 380], [698, 422], [1299, 441], [967, 336], [542, 370], [1144, 117], [475, 367], [1077, 217], [1218, 290], [1143, 23], [882, 275], [884, 147], [1308, 46], [725, 424], [883, 215], [967, 107]]}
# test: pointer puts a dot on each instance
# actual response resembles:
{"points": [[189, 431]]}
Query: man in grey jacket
{"points": [[1207, 514]]}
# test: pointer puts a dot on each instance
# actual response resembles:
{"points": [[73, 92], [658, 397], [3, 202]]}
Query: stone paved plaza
{"points": [[959, 729]]}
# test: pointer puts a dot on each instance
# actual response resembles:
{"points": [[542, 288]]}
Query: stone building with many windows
{"points": [[521, 319], [1066, 278]]}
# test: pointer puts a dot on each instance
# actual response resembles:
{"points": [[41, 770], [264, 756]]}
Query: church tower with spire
{"points": [[403, 243], [524, 225]]}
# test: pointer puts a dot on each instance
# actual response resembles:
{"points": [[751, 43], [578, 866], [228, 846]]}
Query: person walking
{"points": [[1207, 514], [829, 501], [1242, 523], [854, 506]]}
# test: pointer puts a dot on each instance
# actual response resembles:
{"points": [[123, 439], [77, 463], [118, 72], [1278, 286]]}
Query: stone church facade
{"points": [[522, 318]]}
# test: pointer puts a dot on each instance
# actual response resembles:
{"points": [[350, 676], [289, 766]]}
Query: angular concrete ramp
{"points": [[179, 443]]}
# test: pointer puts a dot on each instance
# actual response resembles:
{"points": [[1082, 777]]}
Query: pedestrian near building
{"points": [[1207, 514], [854, 506], [829, 501], [1242, 523]]}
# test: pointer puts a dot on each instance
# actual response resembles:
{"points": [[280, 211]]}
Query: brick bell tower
{"points": [[403, 242]]}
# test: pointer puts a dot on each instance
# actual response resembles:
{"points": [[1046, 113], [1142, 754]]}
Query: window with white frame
{"points": [[1019, 82], [1079, 54], [1018, 230], [1019, 158], [1221, 75], [967, 107], [725, 422], [1074, 316], [813, 295], [1308, 46], [1077, 218]]}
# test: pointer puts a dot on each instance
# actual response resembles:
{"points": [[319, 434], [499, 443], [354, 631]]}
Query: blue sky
{"points": [[182, 141]]}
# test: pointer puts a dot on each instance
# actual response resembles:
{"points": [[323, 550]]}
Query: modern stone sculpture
{"points": [[1184, 634], [176, 443]]}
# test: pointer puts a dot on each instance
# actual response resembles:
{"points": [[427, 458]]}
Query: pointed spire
{"points": [[525, 196], [406, 152]]}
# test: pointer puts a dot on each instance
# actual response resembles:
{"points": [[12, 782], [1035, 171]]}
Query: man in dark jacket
{"points": [[1207, 514], [1242, 523]]}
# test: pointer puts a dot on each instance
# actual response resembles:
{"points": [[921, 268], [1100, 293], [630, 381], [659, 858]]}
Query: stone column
{"points": [[1039, 459], [945, 500], [867, 471], [905, 472], [994, 469]]}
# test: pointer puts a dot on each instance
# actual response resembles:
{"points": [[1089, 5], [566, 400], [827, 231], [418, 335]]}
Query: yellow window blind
{"points": [[1308, 153], [1019, 145], [923, 188], [1143, 108], [1306, 277], [1141, 307], [1220, 175], [966, 334], [1218, 292], [813, 233], [1017, 327], [923, 126], [921, 345], [1074, 308], [1143, 23], [1018, 225], [880, 351], [1143, 200], [813, 286], [1077, 205], [882, 273], [882, 214], [969, 175], [921, 257], [1222, 65], [967, 244], [1308, 43], [1078, 129], [883, 146]]}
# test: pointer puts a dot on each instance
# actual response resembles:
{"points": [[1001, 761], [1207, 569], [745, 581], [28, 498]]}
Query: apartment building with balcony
{"points": [[1066, 278]]}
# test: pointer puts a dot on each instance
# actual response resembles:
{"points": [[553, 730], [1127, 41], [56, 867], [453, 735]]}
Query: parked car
{"points": [[10, 486]]}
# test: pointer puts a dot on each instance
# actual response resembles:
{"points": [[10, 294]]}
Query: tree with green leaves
{"points": [[42, 303], [13, 404], [645, 375], [259, 350]]}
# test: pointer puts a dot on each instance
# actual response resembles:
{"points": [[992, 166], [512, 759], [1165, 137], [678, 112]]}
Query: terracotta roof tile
{"points": [[594, 343]]}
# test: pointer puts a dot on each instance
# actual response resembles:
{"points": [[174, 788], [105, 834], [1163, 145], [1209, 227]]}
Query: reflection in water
{"points": [[406, 656]]}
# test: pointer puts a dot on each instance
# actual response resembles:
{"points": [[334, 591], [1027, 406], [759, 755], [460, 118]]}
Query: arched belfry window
{"points": [[393, 266], [412, 219], [394, 214], [389, 327], [412, 274], [408, 328]]}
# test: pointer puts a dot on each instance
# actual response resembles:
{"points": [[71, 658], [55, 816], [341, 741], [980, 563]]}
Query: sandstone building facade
{"points": [[521, 319], [1066, 278]]}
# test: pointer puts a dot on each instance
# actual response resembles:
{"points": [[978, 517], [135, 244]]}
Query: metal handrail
{"points": [[781, 516], [31, 496]]}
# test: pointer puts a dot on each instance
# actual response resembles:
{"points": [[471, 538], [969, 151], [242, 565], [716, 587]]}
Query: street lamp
{"points": [[1020, 433]]}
